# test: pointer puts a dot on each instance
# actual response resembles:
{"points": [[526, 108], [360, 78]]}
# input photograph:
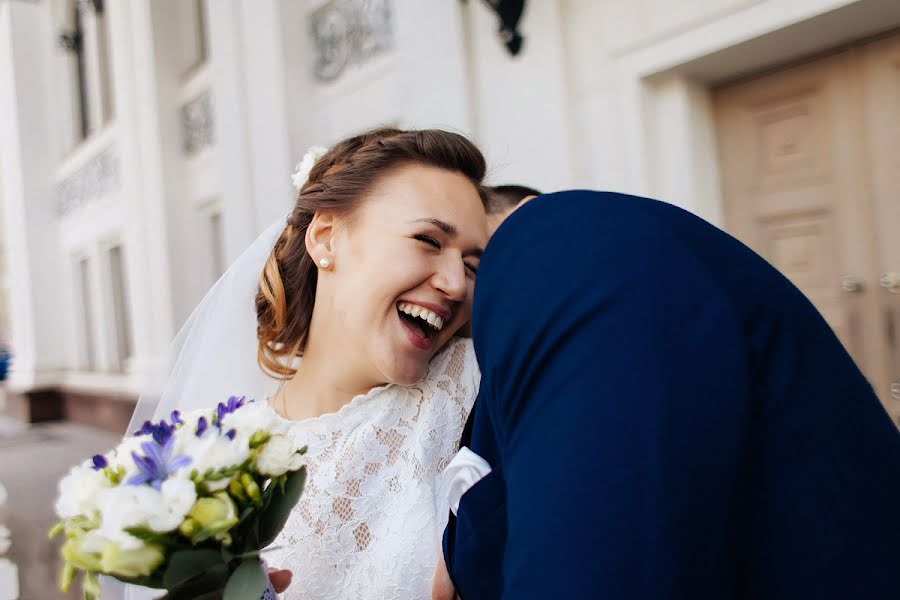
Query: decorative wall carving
{"points": [[197, 124], [95, 179], [349, 32]]}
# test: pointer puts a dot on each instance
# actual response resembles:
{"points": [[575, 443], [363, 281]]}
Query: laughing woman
{"points": [[368, 283], [343, 318]]}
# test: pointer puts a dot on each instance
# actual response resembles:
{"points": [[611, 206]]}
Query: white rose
{"points": [[121, 455], [161, 510], [186, 435], [215, 451], [178, 496], [123, 507], [79, 491], [253, 417], [191, 419], [278, 456]]}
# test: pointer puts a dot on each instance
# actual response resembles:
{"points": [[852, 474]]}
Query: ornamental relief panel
{"points": [[96, 178], [349, 33]]}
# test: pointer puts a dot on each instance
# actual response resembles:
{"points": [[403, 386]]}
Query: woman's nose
{"points": [[451, 279]]}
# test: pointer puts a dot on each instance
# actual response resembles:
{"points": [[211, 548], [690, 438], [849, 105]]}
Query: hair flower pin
{"points": [[304, 167]]}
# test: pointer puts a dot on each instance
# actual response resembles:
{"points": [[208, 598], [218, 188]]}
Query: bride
{"points": [[358, 295]]}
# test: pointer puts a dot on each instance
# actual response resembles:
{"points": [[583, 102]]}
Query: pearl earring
{"points": [[324, 263]]}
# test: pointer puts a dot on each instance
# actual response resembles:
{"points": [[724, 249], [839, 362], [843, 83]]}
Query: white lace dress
{"points": [[370, 520]]}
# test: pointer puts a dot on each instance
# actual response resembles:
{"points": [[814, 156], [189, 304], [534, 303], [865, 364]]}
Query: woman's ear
{"points": [[320, 239]]}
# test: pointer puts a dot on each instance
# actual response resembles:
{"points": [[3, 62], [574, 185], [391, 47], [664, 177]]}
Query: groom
{"points": [[663, 415]]}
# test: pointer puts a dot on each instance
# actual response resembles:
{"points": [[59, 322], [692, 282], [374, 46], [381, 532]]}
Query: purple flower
{"points": [[100, 462], [176, 418], [223, 409], [146, 429], [157, 463], [161, 431], [231, 433], [202, 426]]}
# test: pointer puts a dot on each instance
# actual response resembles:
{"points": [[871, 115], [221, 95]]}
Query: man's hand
{"points": [[281, 579], [442, 588]]}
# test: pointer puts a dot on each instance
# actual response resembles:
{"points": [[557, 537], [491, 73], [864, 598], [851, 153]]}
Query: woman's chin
{"points": [[406, 374]]}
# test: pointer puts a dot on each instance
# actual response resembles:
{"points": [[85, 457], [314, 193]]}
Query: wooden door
{"points": [[797, 189], [881, 74]]}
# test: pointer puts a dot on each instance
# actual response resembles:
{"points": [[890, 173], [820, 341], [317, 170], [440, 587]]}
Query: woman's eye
{"points": [[429, 240], [472, 269]]}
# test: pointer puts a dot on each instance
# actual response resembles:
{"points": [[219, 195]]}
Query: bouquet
{"points": [[184, 506]]}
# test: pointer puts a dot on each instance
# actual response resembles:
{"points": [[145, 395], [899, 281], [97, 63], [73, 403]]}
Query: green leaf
{"points": [[186, 564], [153, 537], [246, 513], [206, 585], [215, 595], [150, 581], [272, 520], [248, 582], [58, 528], [204, 534]]}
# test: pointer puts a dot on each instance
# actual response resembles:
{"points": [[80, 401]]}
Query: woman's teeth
{"points": [[414, 310]]}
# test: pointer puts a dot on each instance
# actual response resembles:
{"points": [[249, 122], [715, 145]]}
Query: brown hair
{"points": [[337, 184]]}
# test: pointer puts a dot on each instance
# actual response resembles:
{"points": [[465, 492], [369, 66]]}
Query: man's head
{"points": [[503, 200]]}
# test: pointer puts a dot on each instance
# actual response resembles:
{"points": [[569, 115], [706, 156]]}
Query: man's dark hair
{"points": [[504, 197]]}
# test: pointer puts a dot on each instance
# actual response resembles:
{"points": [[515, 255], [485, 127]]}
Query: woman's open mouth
{"points": [[421, 324]]}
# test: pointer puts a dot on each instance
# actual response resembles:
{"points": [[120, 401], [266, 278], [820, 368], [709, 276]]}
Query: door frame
{"points": [[664, 86]]}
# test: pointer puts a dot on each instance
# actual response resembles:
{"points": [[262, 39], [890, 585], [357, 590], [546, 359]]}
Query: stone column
{"points": [[39, 329], [145, 119], [251, 115]]}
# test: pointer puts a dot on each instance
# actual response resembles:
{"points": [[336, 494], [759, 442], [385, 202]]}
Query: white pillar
{"points": [[143, 193], [682, 147], [250, 115], [264, 81], [38, 327]]}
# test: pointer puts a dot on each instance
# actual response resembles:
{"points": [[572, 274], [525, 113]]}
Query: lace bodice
{"points": [[370, 520]]}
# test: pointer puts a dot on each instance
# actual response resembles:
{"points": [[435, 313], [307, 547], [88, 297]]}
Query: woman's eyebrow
{"points": [[444, 226]]}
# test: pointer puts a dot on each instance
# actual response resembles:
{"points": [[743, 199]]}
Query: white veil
{"points": [[214, 356]]}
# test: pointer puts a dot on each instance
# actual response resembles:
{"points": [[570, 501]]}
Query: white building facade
{"points": [[145, 143]]}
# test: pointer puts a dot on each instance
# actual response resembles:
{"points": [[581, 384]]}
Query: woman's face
{"points": [[403, 273]]}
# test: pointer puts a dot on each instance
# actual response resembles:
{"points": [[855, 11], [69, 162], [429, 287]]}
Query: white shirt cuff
{"points": [[465, 470]]}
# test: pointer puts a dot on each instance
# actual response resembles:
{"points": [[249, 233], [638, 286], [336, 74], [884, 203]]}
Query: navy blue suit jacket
{"points": [[666, 416]]}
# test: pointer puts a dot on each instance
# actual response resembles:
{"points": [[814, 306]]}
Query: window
{"points": [[123, 345], [84, 37], [203, 42], [192, 20], [71, 41], [87, 346], [104, 66], [218, 246]]}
